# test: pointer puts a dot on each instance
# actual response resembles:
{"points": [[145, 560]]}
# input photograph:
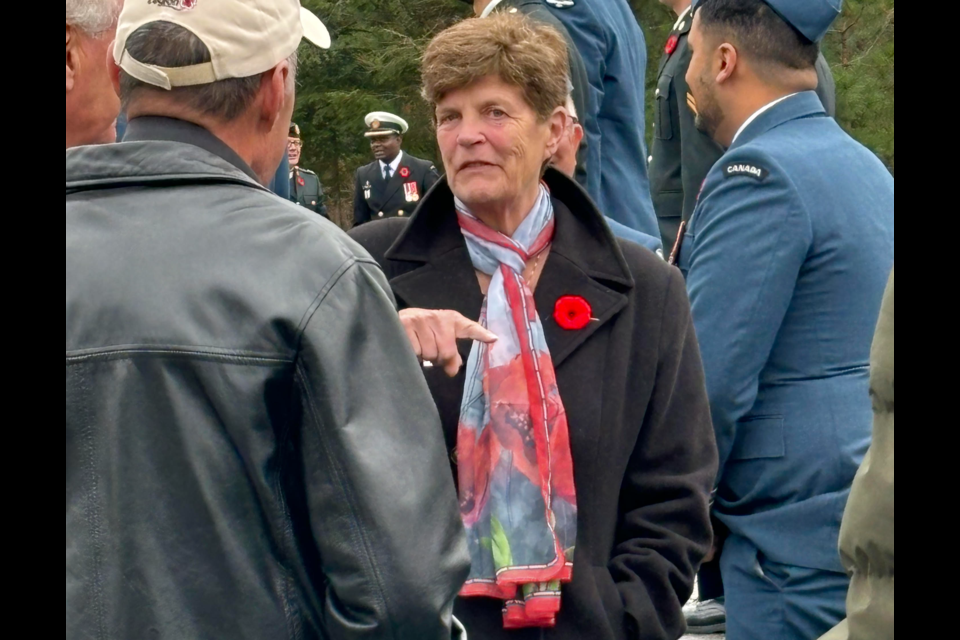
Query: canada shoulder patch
{"points": [[737, 169]]}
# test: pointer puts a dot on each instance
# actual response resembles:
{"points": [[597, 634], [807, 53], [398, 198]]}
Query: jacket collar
{"points": [[173, 130], [802, 105], [585, 260], [680, 29], [149, 162]]}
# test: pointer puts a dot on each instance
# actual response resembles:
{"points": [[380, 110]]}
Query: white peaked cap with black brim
{"points": [[381, 123]]}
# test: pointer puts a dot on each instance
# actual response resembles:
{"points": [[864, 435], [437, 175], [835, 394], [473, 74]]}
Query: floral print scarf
{"points": [[517, 494]]}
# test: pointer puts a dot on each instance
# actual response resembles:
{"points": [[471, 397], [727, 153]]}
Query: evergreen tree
{"points": [[374, 63]]}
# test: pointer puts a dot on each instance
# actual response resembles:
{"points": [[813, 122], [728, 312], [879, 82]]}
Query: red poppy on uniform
{"points": [[573, 313], [404, 172], [301, 182], [672, 44]]}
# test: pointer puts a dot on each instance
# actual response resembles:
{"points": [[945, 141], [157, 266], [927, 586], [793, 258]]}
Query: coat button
{"points": [[400, 213], [658, 93], [380, 215]]}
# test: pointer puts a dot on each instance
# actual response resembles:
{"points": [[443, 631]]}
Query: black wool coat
{"points": [[632, 383]]}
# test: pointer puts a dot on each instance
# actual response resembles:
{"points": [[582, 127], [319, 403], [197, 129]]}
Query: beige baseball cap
{"points": [[245, 37]]}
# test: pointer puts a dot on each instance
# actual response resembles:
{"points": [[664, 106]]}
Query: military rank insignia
{"points": [[411, 191], [367, 190]]}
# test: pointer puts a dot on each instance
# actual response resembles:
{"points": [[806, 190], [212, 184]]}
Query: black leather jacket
{"points": [[252, 451]]}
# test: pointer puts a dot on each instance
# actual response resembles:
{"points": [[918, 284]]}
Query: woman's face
{"points": [[493, 144]]}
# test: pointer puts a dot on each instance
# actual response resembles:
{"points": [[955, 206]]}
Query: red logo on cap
{"points": [[176, 5]]}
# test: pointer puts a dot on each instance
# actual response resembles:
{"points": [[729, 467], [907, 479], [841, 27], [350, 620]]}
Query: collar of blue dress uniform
{"points": [[812, 18], [805, 104]]}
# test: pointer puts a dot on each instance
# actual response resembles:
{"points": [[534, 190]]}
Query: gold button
{"points": [[658, 93], [380, 215], [400, 213]]}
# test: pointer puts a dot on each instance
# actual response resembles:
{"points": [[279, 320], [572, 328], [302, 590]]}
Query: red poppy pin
{"points": [[672, 44], [404, 172], [573, 313], [301, 182]]}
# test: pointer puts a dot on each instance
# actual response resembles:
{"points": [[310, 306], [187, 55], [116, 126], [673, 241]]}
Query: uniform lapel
{"points": [[396, 181], [584, 261], [681, 28]]}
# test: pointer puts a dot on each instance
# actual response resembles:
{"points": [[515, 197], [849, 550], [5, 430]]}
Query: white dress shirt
{"points": [[393, 166]]}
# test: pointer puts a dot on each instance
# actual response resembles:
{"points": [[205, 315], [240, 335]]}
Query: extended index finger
{"points": [[470, 330]]}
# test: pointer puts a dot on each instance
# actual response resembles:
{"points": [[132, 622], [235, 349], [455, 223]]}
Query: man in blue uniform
{"points": [[681, 155], [786, 258], [615, 54]]}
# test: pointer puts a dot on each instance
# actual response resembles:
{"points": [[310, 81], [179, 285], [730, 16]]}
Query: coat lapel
{"points": [[396, 181], [584, 261]]}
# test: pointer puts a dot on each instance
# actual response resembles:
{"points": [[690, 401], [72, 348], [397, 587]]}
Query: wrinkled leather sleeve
{"points": [[382, 503]]}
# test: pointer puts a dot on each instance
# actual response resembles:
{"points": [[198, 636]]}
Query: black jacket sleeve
{"points": [[665, 530], [361, 212], [698, 152], [382, 504]]}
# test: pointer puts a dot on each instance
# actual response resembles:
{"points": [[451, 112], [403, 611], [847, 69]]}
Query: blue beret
{"points": [[812, 18]]}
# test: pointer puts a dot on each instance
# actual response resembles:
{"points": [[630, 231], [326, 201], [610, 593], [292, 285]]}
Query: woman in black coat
{"points": [[612, 324]]}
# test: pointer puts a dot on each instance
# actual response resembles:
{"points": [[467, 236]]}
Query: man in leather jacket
{"points": [[252, 450]]}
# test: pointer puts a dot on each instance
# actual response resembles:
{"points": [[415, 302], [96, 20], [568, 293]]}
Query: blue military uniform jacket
{"points": [[786, 258], [615, 54]]}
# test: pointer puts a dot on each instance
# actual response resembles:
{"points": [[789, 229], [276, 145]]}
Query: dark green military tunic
{"points": [[306, 190], [681, 154]]}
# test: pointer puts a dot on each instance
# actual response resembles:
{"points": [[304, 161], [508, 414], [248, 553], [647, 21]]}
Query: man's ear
{"points": [[558, 122], [578, 134], [273, 93], [113, 69], [72, 57], [728, 59]]}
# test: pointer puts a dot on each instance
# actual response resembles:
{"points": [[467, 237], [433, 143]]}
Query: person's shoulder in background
{"points": [[378, 236], [624, 232]]}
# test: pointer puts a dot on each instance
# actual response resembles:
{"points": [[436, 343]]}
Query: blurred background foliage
{"points": [[373, 66]]}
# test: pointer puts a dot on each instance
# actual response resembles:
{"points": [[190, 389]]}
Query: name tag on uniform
{"points": [[411, 191], [367, 190]]}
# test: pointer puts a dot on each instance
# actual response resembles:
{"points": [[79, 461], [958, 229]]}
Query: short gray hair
{"points": [[93, 17], [165, 44]]}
